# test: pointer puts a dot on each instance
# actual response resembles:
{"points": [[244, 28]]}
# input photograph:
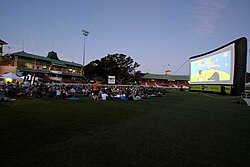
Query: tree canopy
{"points": [[121, 66]]}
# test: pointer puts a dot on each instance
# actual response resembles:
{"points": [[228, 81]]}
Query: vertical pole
{"points": [[83, 59], [23, 45], [85, 34]]}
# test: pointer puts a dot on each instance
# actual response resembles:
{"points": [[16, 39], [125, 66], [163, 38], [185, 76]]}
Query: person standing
{"points": [[96, 89]]}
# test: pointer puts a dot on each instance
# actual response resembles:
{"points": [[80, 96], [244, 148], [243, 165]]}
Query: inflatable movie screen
{"points": [[214, 68]]}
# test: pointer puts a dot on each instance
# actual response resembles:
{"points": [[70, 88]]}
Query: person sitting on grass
{"points": [[63, 93], [123, 96], [94, 97], [104, 96], [58, 92], [28, 91], [50, 93], [137, 97]]}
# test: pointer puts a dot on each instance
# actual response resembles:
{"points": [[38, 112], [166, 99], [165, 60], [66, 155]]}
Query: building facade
{"points": [[166, 80], [2, 43], [44, 69]]}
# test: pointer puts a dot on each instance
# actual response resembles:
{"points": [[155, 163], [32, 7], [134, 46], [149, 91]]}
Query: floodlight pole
{"points": [[9, 50], [85, 34]]}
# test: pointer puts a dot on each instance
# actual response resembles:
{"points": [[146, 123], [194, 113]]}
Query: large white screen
{"points": [[213, 68]]}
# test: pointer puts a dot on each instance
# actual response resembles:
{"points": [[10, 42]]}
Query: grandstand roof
{"points": [[53, 61], [166, 77], [3, 42]]}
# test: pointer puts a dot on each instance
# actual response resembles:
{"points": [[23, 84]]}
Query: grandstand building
{"points": [[44, 69]]}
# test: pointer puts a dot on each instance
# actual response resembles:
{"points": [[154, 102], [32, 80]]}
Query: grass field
{"points": [[181, 129]]}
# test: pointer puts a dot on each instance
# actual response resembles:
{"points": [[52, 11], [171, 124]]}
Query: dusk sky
{"points": [[158, 34]]}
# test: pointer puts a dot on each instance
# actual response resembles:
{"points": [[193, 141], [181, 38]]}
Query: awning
{"points": [[73, 81], [47, 80], [29, 70]]}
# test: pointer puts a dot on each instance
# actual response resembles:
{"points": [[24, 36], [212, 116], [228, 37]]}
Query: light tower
{"points": [[85, 34]]}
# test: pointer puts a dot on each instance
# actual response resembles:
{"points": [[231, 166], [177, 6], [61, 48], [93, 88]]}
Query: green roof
{"points": [[71, 63], [166, 77], [32, 56], [53, 55], [73, 74], [57, 62], [3, 42], [53, 61]]}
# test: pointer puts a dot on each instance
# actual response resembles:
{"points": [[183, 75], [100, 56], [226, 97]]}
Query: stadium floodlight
{"points": [[85, 34]]}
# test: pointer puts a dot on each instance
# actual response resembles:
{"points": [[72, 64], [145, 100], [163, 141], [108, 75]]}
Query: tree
{"points": [[121, 66], [90, 70]]}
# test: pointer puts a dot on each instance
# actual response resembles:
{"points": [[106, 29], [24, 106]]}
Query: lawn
{"points": [[181, 129]]}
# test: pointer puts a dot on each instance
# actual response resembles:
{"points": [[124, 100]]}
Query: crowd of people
{"points": [[64, 91], [125, 92]]}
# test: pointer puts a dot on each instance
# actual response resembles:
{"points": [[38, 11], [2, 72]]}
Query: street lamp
{"points": [[85, 33]]}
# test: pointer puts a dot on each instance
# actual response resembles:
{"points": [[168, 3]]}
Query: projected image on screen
{"points": [[213, 69]]}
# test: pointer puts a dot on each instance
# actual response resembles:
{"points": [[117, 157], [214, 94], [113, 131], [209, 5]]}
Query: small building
{"points": [[2, 43], [166, 80]]}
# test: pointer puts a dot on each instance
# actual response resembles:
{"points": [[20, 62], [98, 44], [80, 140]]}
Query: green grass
{"points": [[181, 129]]}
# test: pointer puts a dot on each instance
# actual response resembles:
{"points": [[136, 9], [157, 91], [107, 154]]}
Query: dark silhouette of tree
{"points": [[91, 69], [121, 66]]}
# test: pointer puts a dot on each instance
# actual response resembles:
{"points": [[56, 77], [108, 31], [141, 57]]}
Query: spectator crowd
{"points": [[65, 91]]}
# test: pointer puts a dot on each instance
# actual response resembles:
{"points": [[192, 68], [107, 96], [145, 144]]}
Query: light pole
{"points": [[9, 50], [85, 33]]}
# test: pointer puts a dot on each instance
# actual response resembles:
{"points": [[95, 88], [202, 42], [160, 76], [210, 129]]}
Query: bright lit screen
{"points": [[213, 68]]}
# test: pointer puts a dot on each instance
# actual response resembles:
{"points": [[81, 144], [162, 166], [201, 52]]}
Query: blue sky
{"points": [[158, 34]]}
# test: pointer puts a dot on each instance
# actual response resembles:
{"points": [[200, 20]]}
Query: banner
{"points": [[111, 79]]}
